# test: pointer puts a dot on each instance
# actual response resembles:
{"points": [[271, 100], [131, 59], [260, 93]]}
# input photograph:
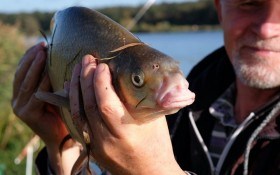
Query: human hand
{"points": [[119, 143], [41, 117]]}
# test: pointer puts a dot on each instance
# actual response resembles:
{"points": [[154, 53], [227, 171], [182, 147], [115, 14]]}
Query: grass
{"points": [[14, 134]]}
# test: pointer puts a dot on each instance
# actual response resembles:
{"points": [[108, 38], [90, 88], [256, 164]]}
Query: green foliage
{"points": [[28, 23], [119, 13], [200, 13], [11, 48], [168, 16], [13, 133]]}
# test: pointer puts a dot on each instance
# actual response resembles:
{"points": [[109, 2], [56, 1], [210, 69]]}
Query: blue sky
{"points": [[12, 6]]}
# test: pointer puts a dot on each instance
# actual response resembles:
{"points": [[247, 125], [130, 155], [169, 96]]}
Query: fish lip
{"points": [[169, 101], [174, 92]]}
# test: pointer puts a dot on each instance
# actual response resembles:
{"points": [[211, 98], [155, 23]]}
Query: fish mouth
{"points": [[173, 100], [169, 104], [174, 93]]}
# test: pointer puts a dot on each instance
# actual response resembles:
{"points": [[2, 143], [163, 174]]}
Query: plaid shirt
{"points": [[223, 110]]}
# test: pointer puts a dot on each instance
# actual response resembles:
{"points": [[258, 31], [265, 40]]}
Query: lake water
{"points": [[186, 47]]}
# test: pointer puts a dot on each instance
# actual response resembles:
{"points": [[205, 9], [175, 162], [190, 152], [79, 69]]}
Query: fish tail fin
{"points": [[87, 159], [82, 165]]}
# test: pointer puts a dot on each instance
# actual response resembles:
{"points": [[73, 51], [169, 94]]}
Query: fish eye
{"points": [[137, 79]]}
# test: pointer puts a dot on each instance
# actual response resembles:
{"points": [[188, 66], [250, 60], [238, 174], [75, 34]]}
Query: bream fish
{"points": [[148, 82]]}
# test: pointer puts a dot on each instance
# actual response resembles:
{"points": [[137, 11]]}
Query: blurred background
{"points": [[187, 30]]}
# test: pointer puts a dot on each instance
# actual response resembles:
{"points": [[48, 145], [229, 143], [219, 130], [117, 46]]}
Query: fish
{"points": [[148, 82]]}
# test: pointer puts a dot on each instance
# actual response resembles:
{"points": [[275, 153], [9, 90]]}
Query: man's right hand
{"points": [[41, 117]]}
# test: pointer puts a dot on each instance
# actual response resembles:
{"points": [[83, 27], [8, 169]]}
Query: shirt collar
{"points": [[223, 108]]}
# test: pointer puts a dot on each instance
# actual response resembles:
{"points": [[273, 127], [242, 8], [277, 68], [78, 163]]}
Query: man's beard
{"points": [[259, 74]]}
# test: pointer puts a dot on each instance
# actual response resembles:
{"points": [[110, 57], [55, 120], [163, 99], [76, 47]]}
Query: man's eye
{"points": [[250, 4]]}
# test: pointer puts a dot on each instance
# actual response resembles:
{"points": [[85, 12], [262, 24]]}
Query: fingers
{"points": [[96, 84], [75, 103], [28, 76], [74, 91], [24, 66], [93, 117], [31, 52], [32, 78], [88, 67], [97, 129], [112, 110], [79, 118], [45, 86]]}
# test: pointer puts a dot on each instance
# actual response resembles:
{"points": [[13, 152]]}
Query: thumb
{"points": [[111, 108]]}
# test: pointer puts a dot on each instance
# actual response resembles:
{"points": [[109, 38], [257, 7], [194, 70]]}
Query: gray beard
{"points": [[257, 75]]}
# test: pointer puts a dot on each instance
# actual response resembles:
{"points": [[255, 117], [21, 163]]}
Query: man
{"points": [[232, 128], [230, 110]]}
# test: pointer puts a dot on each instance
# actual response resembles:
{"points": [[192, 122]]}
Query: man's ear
{"points": [[218, 9]]}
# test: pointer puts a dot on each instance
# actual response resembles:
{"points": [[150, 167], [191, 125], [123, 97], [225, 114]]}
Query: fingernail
{"points": [[100, 68], [43, 44], [86, 60]]}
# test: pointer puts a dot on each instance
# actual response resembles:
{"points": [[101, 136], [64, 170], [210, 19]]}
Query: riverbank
{"points": [[166, 27]]}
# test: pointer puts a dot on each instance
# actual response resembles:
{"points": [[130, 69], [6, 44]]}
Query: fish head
{"points": [[150, 83]]}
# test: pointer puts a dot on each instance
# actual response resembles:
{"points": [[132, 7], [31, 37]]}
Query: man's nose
{"points": [[267, 25]]}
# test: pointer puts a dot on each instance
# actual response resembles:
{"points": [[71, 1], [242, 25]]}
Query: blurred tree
{"points": [[13, 133], [198, 13], [29, 24]]}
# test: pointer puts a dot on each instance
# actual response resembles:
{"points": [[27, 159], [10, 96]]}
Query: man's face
{"points": [[252, 39]]}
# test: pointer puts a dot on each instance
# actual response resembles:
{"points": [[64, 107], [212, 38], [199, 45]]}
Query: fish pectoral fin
{"points": [[82, 164], [53, 98]]}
